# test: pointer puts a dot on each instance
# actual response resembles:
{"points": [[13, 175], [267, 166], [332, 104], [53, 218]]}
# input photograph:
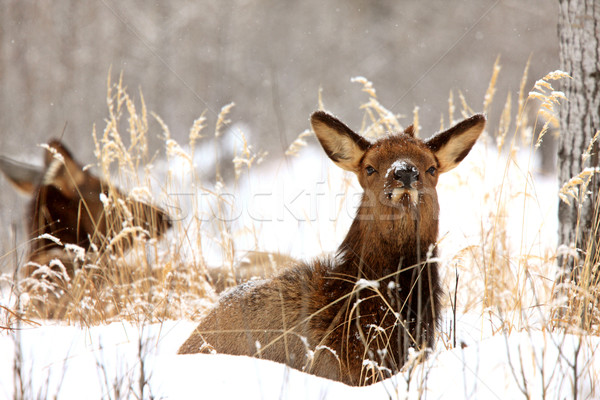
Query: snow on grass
{"points": [[105, 362]]}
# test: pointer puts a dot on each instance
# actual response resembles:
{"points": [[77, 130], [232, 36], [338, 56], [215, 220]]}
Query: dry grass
{"points": [[508, 282]]}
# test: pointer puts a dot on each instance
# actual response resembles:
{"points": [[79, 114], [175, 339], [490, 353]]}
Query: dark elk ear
{"points": [[62, 171], [452, 146], [342, 145], [24, 177]]}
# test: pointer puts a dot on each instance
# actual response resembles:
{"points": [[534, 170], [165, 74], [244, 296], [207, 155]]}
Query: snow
{"points": [[74, 363], [366, 284], [308, 200], [306, 197], [397, 165]]}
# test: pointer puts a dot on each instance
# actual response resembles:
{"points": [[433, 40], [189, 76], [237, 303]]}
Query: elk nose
{"points": [[407, 174]]}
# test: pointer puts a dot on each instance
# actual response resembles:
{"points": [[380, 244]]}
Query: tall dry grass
{"points": [[504, 272]]}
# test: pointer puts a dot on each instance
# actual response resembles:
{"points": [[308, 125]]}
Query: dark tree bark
{"points": [[579, 36]]}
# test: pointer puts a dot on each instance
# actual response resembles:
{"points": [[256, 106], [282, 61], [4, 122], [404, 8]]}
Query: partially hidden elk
{"points": [[75, 218], [354, 317]]}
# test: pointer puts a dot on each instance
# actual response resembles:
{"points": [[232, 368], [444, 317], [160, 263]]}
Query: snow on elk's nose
{"points": [[402, 177], [405, 173]]}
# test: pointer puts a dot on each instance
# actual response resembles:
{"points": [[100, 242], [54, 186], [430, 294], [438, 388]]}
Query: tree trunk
{"points": [[579, 35]]}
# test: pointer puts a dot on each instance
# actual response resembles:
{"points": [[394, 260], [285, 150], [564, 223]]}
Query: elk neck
{"points": [[373, 249]]}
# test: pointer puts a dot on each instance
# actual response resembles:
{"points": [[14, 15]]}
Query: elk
{"points": [[353, 317], [71, 206]]}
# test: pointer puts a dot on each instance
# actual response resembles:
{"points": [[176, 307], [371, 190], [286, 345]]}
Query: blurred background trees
{"points": [[269, 57]]}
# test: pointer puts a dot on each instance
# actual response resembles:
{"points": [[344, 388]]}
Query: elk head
{"points": [[398, 173]]}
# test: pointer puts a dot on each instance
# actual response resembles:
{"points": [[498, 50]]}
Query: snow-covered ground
{"points": [[68, 362], [302, 207]]}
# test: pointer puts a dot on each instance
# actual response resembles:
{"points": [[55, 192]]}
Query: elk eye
{"points": [[431, 171], [370, 170]]}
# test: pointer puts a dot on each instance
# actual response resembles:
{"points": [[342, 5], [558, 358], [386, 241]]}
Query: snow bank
{"points": [[76, 363]]}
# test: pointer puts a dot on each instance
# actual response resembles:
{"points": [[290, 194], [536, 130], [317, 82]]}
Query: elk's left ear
{"points": [[24, 177], [452, 146]]}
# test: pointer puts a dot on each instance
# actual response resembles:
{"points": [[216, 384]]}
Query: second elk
{"points": [[353, 317], [76, 220]]}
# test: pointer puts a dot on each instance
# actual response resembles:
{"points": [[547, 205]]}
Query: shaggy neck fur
{"points": [[403, 288], [376, 248]]}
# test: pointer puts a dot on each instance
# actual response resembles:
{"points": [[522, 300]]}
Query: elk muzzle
{"points": [[404, 175]]}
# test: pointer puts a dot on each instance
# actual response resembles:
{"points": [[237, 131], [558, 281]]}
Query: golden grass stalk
{"points": [[466, 111], [367, 85], [222, 120], [588, 152], [196, 129], [378, 120], [491, 90], [522, 117], [415, 122], [298, 143], [576, 187], [544, 92], [504, 125], [451, 108], [247, 157]]}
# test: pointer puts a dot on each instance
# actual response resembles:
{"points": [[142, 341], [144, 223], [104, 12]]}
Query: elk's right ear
{"points": [[62, 171], [342, 145]]}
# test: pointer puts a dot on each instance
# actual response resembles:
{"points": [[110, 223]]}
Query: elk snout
{"points": [[406, 174]]}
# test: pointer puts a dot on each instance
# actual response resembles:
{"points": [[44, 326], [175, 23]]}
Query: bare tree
{"points": [[579, 36]]}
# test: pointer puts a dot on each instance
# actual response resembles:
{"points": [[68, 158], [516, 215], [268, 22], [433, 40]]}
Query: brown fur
{"points": [[66, 205], [253, 265], [379, 295]]}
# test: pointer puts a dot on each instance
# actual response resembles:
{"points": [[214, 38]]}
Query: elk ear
{"points": [[62, 171], [342, 145], [24, 177], [451, 146]]}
